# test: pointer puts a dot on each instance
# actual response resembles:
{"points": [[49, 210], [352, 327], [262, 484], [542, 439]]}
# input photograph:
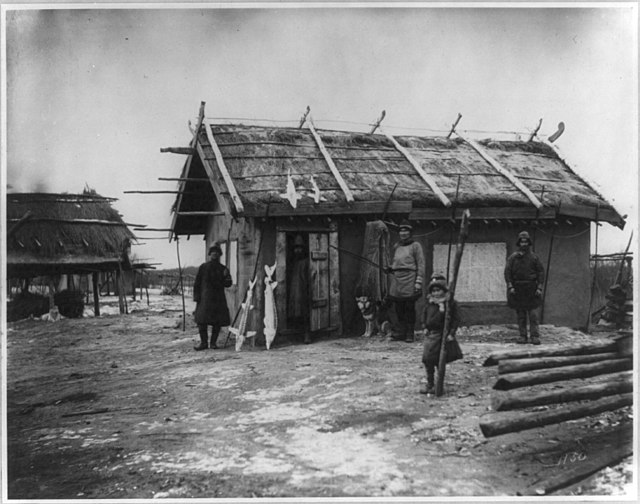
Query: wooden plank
{"points": [[527, 378], [427, 178], [503, 423], [484, 213], [502, 170], [581, 349], [281, 277], [216, 184], [343, 185], [520, 365], [233, 193], [335, 312], [619, 383], [334, 208], [319, 278]]}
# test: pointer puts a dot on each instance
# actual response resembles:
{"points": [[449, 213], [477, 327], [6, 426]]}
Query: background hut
{"points": [[233, 190], [65, 234]]}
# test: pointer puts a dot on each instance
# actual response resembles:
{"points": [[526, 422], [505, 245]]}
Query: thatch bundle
{"points": [[66, 224]]}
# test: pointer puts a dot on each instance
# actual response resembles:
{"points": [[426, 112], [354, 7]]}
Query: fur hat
{"points": [[437, 283], [436, 275], [523, 236], [405, 224], [215, 246]]}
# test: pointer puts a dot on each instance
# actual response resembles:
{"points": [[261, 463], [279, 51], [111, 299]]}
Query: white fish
{"points": [[315, 192], [291, 194], [270, 313], [241, 331]]}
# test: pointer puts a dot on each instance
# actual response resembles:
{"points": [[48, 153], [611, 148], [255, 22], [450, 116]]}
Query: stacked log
{"points": [[619, 309], [611, 360]]}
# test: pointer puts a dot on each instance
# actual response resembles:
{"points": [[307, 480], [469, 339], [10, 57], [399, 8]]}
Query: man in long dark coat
{"points": [[524, 275], [298, 303], [208, 293]]}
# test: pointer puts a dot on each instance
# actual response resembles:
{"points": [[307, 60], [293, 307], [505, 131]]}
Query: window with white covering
{"points": [[481, 274]]}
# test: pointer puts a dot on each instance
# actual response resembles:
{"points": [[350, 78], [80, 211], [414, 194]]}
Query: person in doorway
{"points": [[407, 273], [298, 303], [524, 275], [211, 303], [433, 321]]}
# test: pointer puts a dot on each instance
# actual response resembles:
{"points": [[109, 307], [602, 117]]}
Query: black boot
{"points": [[203, 339], [214, 338]]}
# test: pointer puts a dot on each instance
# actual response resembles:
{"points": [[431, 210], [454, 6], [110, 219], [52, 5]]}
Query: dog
{"points": [[375, 317]]}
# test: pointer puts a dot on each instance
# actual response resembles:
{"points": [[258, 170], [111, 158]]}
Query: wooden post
{"points": [[184, 312], [504, 423], [527, 378], [595, 272], [96, 294], [464, 231], [118, 287], [580, 349], [619, 383]]}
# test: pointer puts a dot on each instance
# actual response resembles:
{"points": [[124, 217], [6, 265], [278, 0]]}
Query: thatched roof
{"points": [[63, 233], [259, 158]]}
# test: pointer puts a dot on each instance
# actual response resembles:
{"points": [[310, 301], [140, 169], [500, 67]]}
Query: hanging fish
{"points": [[315, 192], [292, 195], [270, 313], [241, 331]]}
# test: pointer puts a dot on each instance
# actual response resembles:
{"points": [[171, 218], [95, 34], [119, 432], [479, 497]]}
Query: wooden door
{"points": [[319, 279]]}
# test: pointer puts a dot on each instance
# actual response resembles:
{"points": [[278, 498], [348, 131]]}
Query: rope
{"points": [[563, 236]]}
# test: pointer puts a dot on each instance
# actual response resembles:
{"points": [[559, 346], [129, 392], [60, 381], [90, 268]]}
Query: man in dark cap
{"points": [[407, 273], [208, 293], [298, 302], [524, 275]]}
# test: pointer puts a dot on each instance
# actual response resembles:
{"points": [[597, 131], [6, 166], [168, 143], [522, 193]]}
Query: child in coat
{"points": [[433, 319]]}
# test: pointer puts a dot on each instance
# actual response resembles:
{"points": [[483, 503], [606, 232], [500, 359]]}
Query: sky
{"points": [[93, 94]]}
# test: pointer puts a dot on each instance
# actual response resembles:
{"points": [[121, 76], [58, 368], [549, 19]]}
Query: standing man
{"points": [[407, 273], [298, 303], [524, 275], [208, 293]]}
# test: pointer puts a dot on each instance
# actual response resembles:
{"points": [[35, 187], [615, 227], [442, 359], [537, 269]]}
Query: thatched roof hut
{"points": [[52, 234], [233, 190], [258, 160]]}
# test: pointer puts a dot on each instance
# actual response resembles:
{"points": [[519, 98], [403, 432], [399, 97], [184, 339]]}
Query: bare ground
{"points": [[122, 407]]}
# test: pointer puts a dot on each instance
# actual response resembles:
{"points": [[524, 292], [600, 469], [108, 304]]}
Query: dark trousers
{"points": [[532, 315], [406, 313], [202, 330]]}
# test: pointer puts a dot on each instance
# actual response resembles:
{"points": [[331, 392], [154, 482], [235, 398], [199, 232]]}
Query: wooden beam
{"points": [[619, 383], [357, 207], [527, 378], [503, 423], [482, 213], [19, 222], [215, 180], [343, 185], [183, 179], [498, 167], [426, 177], [226, 176], [520, 365], [580, 349], [179, 150], [200, 213]]}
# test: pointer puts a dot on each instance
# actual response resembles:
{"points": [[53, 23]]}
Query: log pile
{"points": [[517, 408]]}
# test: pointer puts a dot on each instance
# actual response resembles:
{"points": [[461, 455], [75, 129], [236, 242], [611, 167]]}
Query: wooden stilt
{"points": [[118, 288], [184, 311], [96, 294]]}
